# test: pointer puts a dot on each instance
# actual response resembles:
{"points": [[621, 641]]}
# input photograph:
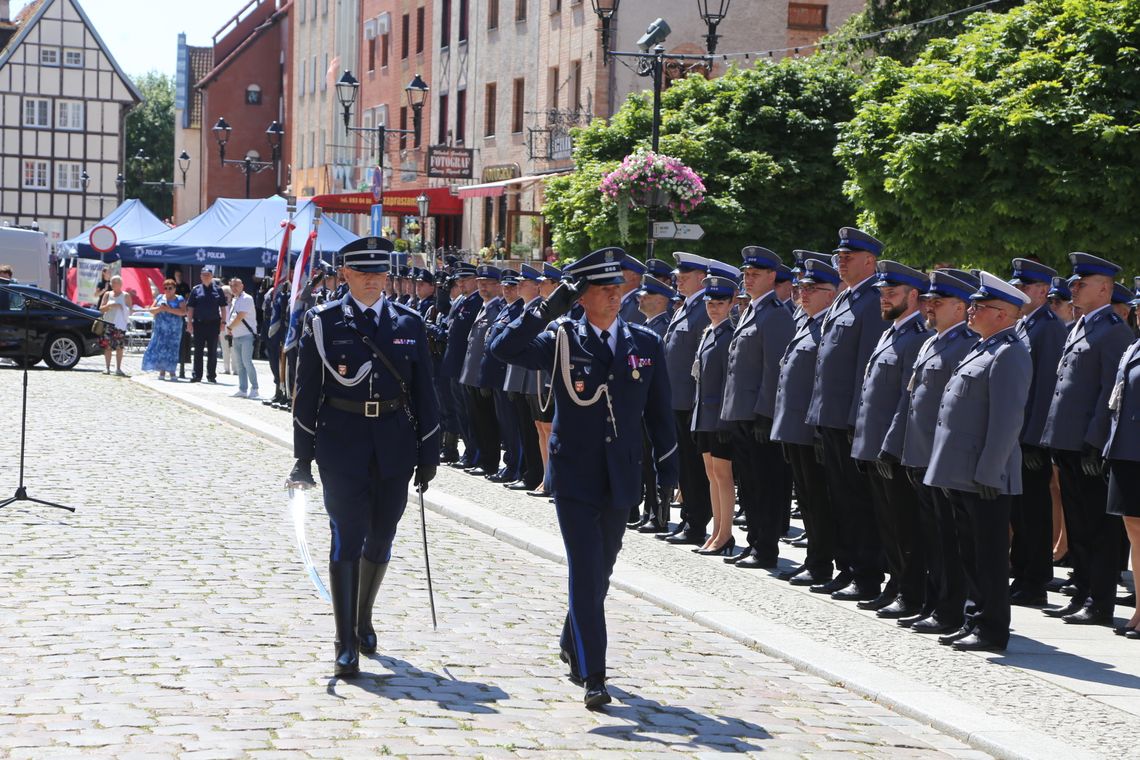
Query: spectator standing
{"points": [[116, 307], [169, 312], [227, 345], [183, 289], [241, 329], [207, 309], [103, 285]]}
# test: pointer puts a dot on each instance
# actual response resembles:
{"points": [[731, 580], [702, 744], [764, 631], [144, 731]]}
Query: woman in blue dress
{"points": [[169, 309]]}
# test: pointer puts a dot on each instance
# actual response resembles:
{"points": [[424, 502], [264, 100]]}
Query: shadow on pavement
{"points": [[650, 721], [1032, 654], [406, 681]]}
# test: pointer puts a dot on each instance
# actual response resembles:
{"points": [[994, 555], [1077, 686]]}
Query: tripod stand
{"points": [[21, 490]]}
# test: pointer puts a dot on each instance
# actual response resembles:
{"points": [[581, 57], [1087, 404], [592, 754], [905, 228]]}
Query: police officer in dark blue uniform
{"points": [[521, 385], [1060, 300], [1031, 516], [607, 377], [460, 317], [480, 394], [1122, 454], [631, 271], [365, 409], [1076, 430], [493, 374]]}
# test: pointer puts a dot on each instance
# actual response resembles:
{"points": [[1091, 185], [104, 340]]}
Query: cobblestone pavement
{"points": [[1076, 684], [168, 616]]}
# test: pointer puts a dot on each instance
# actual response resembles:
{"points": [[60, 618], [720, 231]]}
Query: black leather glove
{"points": [[425, 474], [817, 445], [885, 470], [301, 476], [762, 429], [1033, 458], [1092, 464], [988, 493], [560, 301]]}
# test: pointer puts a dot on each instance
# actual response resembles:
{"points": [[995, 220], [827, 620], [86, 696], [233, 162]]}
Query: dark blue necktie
{"points": [[605, 355], [368, 323]]}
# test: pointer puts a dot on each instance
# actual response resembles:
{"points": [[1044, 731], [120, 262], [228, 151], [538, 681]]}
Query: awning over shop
{"points": [[441, 202], [495, 189]]}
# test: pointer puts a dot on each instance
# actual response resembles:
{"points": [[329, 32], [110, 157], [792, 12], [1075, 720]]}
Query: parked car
{"points": [[59, 332]]}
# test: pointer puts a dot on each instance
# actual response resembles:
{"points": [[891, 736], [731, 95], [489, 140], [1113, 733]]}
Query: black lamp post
{"points": [[167, 186], [423, 203], [347, 90], [274, 135], [651, 60]]}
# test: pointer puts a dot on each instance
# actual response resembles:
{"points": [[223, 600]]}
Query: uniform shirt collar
{"points": [[691, 299], [1088, 317], [612, 330], [376, 307], [902, 323], [756, 301], [950, 330]]}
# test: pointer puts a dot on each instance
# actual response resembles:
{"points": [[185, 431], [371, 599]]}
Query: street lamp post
{"points": [[423, 203], [248, 166], [651, 59], [347, 90]]}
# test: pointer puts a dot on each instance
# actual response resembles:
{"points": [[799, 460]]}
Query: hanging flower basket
{"points": [[651, 180]]}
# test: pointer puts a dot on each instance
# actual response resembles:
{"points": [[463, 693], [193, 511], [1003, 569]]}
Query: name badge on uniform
{"points": [[342, 369], [403, 341]]}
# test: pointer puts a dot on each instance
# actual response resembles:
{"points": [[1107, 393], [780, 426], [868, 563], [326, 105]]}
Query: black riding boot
{"points": [[344, 582], [371, 576]]}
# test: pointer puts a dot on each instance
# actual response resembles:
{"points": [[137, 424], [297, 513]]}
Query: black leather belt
{"points": [[365, 408]]}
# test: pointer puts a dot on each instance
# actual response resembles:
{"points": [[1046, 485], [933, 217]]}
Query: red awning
{"points": [[442, 202]]}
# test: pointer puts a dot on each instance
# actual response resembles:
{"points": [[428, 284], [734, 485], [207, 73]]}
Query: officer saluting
{"points": [[365, 409], [607, 377]]}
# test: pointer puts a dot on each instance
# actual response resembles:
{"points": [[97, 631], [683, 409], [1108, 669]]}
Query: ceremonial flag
{"points": [[301, 295]]}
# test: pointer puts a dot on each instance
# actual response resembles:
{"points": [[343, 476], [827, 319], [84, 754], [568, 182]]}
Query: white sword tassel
{"points": [[298, 505]]}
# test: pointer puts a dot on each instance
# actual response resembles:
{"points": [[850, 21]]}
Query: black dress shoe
{"points": [[1068, 588], [740, 521], [574, 677], [801, 542], [724, 550], [809, 578], [854, 592], [500, 477], [755, 562], [787, 575], [908, 621], [934, 625], [641, 520], [1122, 630], [747, 552], [195, 379], [1126, 601], [1055, 584], [681, 527], [1133, 634], [949, 638], [477, 471], [1028, 598], [1059, 612], [1089, 616], [540, 493], [837, 583], [976, 643], [883, 599], [518, 485], [652, 526], [596, 694], [899, 608], [685, 538]]}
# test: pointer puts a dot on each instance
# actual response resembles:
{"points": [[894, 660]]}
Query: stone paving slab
{"points": [[169, 617]]}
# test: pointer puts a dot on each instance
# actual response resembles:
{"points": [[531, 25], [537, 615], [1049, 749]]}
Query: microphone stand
{"points": [[21, 490]]}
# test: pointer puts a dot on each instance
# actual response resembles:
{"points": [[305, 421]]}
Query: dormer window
{"points": [[49, 56], [253, 95]]}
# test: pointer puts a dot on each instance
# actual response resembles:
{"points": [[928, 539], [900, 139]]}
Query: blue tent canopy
{"points": [[130, 220], [237, 233]]}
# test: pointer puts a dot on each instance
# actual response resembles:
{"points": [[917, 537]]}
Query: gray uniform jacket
{"points": [[937, 358], [1079, 415], [758, 344], [883, 400], [659, 323], [477, 341], [682, 337], [1124, 403], [793, 391], [848, 336], [711, 366], [1044, 333], [519, 379], [629, 309], [980, 417]]}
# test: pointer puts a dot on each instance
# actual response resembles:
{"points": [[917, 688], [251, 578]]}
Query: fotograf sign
{"points": [[450, 163]]}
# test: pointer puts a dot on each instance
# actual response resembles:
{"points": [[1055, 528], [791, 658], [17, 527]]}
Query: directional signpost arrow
{"points": [[674, 231]]}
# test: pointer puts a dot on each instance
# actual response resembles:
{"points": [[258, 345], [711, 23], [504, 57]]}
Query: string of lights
{"points": [[795, 50]]}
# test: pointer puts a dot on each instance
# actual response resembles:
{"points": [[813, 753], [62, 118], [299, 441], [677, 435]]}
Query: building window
{"points": [[555, 6], [576, 85], [461, 116], [403, 126], [372, 54], [520, 10], [253, 95], [313, 84], [68, 176], [73, 58], [325, 78], [445, 23], [37, 112], [419, 30], [807, 16], [464, 15], [492, 14], [37, 175], [69, 114], [304, 71], [405, 35], [442, 138], [517, 106], [489, 106], [49, 56], [301, 9], [552, 87], [384, 50]]}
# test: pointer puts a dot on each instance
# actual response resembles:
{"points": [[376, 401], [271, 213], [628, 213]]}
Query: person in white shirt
{"points": [[241, 328]]}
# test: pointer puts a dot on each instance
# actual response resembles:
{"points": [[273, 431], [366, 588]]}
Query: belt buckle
{"points": [[371, 408]]}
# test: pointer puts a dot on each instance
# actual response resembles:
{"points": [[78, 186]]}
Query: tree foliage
{"points": [[1021, 136], [762, 140], [150, 126]]}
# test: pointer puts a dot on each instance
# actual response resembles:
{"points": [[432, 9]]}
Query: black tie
{"points": [[368, 323], [604, 354]]}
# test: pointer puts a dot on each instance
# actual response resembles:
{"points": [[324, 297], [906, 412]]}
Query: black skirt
{"points": [[535, 404], [1123, 488], [707, 443]]}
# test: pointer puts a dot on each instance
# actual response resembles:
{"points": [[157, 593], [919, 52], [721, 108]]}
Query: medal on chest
{"points": [[342, 369]]}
